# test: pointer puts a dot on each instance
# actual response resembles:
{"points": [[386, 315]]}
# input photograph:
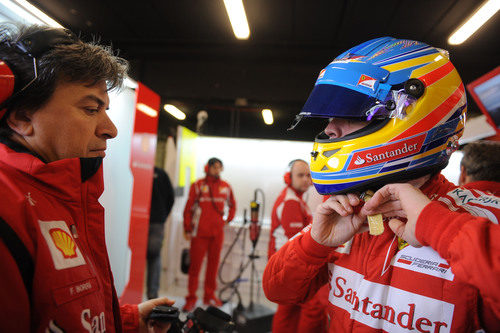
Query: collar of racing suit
{"points": [[63, 178], [211, 179], [298, 193]]}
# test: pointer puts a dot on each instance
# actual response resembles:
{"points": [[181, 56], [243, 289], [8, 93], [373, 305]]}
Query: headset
{"points": [[287, 177], [32, 45]]}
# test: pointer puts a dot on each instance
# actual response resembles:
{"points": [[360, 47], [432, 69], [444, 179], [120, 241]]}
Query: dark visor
{"points": [[327, 100]]}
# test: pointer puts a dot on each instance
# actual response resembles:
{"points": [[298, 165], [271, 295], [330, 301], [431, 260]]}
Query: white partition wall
{"points": [[250, 164], [118, 183]]}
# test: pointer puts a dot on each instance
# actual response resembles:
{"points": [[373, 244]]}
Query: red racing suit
{"points": [[451, 284], [204, 219], [289, 216], [56, 275]]}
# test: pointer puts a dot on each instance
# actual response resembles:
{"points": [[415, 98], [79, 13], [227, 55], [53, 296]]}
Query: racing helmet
{"points": [[415, 103]]}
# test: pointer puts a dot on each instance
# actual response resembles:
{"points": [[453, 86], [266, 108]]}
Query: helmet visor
{"points": [[327, 101], [331, 101]]}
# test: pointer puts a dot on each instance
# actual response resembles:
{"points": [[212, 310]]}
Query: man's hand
{"points": [[187, 236], [399, 200], [152, 326], [335, 222]]}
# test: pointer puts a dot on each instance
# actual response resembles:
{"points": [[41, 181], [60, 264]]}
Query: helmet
{"points": [[414, 100]]}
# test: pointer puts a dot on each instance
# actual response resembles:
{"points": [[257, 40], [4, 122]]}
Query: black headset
{"points": [[32, 45]]}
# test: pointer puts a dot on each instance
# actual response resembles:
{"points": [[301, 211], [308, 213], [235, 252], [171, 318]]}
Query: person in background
{"points": [[162, 200], [203, 224], [480, 162], [291, 214], [395, 110], [56, 275]]}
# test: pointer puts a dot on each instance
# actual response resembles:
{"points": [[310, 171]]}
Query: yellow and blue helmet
{"points": [[415, 103]]}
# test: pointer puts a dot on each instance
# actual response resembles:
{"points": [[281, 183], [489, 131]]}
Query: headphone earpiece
{"points": [[206, 168], [7, 80], [287, 177], [33, 45]]}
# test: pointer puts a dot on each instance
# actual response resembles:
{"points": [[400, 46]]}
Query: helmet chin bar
{"points": [[398, 177]]}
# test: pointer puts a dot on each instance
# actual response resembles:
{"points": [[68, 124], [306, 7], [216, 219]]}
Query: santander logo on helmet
{"points": [[412, 100]]}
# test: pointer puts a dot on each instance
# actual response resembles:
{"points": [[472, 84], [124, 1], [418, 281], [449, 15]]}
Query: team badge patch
{"points": [[63, 249], [367, 81], [423, 260]]}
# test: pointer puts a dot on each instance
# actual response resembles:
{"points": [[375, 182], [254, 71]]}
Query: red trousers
{"points": [[303, 318], [199, 247]]}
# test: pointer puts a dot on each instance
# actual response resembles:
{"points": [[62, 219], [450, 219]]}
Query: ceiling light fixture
{"points": [[30, 13], [238, 18], [268, 116], [147, 110], [174, 111], [483, 14]]}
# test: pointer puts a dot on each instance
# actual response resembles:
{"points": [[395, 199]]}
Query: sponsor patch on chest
{"points": [[423, 260], [388, 308], [62, 247]]}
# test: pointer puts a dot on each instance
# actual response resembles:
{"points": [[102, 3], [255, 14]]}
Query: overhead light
{"points": [[30, 13], [268, 116], [483, 14], [238, 18], [174, 111], [147, 110]]}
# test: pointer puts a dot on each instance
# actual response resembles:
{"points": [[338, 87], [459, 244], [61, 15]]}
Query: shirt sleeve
{"points": [[130, 318], [471, 246], [296, 271], [232, 205], [14, 300], [188, 209]]}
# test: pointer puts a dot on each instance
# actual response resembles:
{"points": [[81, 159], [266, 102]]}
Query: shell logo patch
{"points": [[61, 244]]}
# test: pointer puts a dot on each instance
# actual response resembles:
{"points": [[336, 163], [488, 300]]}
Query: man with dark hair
{"points": [[481, 162], [395, 110], [56, 275], [203, 224]]}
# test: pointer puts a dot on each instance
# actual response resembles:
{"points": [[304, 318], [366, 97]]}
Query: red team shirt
{"points": [[203, 214], [60, 222], [289, 216], [451, 284]]}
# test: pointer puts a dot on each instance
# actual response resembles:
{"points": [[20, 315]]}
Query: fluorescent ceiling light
{"points": [[483, 14], [268, 116], [30, 13], [174, 111], [147, 110], [238, 18]]}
